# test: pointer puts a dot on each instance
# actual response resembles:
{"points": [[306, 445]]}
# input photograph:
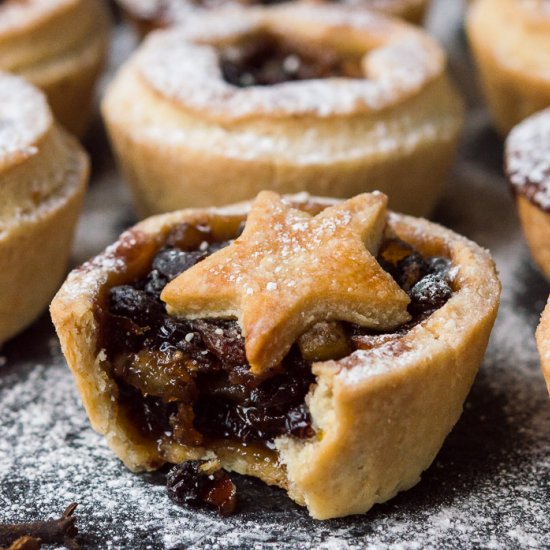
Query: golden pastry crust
{"points": [[43, 174], [543, 343], [380, 415], [528, 168], [180, 130], [510, 41], [60, 46], [148, 15]]}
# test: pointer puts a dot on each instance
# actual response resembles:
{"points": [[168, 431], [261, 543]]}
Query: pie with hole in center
{"points": [[291, 98]]}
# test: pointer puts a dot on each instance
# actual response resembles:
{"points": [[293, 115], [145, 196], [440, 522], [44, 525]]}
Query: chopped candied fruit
{"points": [[201, 483]]}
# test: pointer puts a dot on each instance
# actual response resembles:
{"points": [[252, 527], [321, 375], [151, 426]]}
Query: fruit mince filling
{"points": [[188, 381], [265, 60]]}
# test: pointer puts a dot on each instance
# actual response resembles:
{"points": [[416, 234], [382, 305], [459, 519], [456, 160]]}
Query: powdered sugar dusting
{"points": [[24, 117], [183, 65], [528, 158]]}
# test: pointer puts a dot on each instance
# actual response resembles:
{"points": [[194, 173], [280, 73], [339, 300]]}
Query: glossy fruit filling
{"points": [[188, 381], [265, 60]]}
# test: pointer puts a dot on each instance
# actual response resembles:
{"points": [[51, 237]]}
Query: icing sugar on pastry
{"points": [[528, 158], [301, 269], [184, 65], [24, 117]]}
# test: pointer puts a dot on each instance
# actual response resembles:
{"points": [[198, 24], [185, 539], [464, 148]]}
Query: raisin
{"points": [[202, 484], [224, 340], [258, 413], [171, 262], [429, 294], [298, 422], [127, 301], [410, 270]]}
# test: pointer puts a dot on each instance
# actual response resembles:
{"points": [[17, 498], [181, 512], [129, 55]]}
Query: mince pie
{"points": [[510, 40], [528, 168], [148, 15], [325, 347], [292, 98], [543, 343], [43, 174], [60, 46]]}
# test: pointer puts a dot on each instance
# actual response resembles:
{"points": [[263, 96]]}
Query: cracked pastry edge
{"points": [[512, 64], [60, 47], [43, 175], [543, 343], [402, 410]]}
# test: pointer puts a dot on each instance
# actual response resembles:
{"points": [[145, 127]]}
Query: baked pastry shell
{"points": [[510, 43], [60, 46], [175, 145], [528, 170], [43, 176], [535, 223], [380, 415], [543, 343]]}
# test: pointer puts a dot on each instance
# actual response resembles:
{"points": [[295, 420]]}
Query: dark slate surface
{"points": [[488, 488]]}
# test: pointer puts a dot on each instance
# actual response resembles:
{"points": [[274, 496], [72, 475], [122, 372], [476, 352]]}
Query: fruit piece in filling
{"points": [[202, 483]]}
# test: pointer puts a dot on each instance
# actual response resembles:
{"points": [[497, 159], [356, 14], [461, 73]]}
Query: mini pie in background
{"points": [[293, 98], [527, 159], [148, 15], [43, 175], [60, 46], [325, 347], [510, 40], [543, 343]]}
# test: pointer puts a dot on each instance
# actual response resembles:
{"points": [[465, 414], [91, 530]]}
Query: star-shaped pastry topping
{"points": [[290, 270]]}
